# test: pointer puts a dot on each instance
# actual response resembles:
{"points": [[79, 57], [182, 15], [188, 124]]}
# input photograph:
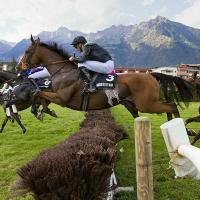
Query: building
{"points": [[187, 70], [166, 70], [3, 67], [132, 70]]}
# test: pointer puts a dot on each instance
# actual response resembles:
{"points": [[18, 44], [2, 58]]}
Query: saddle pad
{"points": [[44, 83], [105, 81]]}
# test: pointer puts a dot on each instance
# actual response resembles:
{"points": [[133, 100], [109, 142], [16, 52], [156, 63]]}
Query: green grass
{"points": [[16, 149], [165, 186]]}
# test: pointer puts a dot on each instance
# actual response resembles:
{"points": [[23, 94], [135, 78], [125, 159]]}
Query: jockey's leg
{"points": [[103, 68], [40, 74], [37, 89], [88, 76]]}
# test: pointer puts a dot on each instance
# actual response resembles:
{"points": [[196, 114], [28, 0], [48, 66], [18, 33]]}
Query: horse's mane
{"points": [[56, 48]]}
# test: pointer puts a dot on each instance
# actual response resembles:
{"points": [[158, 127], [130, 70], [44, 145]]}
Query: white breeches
{"points": [[41, 74], [96, 66]]}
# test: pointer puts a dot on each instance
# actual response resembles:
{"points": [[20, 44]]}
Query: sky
{"points": [[20, 18]]}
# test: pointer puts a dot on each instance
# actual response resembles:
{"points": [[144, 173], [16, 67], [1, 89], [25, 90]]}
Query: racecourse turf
{"points": [[16, 149]]}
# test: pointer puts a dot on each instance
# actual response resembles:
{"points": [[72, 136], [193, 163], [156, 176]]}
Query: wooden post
{"points": [[143, 151]]}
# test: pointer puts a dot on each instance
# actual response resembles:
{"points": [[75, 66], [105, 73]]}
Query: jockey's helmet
{"points": [[78, 39]]}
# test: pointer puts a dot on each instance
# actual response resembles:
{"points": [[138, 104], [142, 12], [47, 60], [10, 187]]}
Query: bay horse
{"points": [[195, 80], [137, 91], [10, 78]]}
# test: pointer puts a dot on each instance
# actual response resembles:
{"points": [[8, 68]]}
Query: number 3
{"points": [[111, 78]]}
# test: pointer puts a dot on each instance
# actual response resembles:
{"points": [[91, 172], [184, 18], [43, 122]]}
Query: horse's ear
{"points": [[32, 40]]}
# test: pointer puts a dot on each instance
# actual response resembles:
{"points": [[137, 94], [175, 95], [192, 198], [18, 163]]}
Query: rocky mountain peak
{"points": [[156, 42]]}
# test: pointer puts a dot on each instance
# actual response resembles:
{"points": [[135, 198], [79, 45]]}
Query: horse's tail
{"points": [[175, 88]]}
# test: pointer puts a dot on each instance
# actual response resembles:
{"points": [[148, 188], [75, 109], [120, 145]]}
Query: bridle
{"points": [[28, 57]]}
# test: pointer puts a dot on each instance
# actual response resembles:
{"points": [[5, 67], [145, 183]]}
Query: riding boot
{"points": [[37, 89], [91, 87]]}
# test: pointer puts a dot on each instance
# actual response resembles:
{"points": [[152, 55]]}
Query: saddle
{"points": [[44, 83], [102, 82], [105, 81]]}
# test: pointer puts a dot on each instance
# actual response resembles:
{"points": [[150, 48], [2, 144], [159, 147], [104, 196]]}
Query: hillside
{"points": [[157, 42]]}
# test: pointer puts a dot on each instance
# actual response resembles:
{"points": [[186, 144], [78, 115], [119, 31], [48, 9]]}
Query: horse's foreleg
{"points": [[11, 102], [17, 119], [45, 108], [50, 96], [50, 112], [61, 97], [4, 123], [34, 109]]}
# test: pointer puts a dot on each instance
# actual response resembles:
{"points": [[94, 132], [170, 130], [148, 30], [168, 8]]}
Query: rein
{"points": [[57, 71]]}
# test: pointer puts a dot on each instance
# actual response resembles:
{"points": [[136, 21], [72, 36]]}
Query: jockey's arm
{"points": [[84, 55]]}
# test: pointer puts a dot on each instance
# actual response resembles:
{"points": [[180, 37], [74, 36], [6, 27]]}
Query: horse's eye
{"points": [[27, 51]]}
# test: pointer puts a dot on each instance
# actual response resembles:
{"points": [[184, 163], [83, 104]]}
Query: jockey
{"points": [[34, 73], [94, 58]]}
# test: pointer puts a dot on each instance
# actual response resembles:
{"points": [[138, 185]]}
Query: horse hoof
{"points": [[24, 131], [53, 114], [40, 117]]}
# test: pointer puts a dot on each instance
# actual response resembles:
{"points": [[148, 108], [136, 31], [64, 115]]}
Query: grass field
{"points": [[16, 149]]}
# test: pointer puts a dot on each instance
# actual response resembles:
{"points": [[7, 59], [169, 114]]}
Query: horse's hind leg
{"points": [[193, 119], [130, 107], [4, 123], [169, 116], [176, 111], [162, 107], [197, 137], [17, 119]]}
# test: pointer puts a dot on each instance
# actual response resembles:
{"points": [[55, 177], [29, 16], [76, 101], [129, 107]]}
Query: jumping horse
{"points": [[136, 91], [10, 79]]}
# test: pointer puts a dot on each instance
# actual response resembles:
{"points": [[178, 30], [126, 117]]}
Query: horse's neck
{"points": [[50, 57]]}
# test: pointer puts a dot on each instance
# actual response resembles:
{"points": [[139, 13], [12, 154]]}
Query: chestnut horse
{"points": [[137, 91]]}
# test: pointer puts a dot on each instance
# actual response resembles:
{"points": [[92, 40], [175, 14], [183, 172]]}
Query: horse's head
{"points": [[32, 54], [48, 55]]}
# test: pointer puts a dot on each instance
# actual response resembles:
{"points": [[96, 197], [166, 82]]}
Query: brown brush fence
{"points": [[79, 168]]}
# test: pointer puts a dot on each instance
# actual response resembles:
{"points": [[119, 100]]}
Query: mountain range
{"points": [[157, 42]]}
